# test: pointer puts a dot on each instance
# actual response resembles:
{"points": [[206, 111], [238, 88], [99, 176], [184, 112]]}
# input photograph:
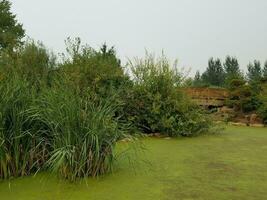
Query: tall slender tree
{"points": [[214, 74], [197, 79], [232, 70], [264, 71], [254, 73]]}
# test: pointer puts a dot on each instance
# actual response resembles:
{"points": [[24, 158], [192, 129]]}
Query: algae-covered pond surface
{"points": [[232, 165]]}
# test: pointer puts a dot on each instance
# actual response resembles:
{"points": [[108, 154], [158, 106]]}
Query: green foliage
{"points": [[264, 71], [156, 104], [57, 129], [188, 82], [263, 98], [214, 74], [99, 70], [67, 117], [31, 61], [11, 32], [198, 82], [83, 134], [22, 148], [241, 96], [254, 72], [47, 123], [232, 70]]}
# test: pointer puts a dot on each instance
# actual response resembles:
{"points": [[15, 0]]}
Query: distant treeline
{"points": [[247, 92], [220, 74]]}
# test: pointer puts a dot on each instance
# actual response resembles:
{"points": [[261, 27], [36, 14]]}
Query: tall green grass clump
{"points": [[156, 103], [83, 134], [23, 141], [21, 148]]}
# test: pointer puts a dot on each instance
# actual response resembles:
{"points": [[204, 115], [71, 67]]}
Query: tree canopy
{"points": [[214, 74], [11, 31], [254, 73]]}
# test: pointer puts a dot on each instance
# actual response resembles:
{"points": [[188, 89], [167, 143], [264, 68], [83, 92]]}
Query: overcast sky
{"points": [[190, 30]]}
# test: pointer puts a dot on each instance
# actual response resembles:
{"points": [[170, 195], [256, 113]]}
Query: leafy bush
{"points": [[98, 70], [31, 61], [156, 104], [242, 97]]}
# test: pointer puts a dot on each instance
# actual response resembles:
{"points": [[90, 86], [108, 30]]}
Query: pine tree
{"points": [[254, 74], [232, 70], [214, 74], [197, 79], [264, 71]]}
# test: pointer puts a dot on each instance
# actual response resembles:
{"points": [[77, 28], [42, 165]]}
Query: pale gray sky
{"points": [[190, 30]]}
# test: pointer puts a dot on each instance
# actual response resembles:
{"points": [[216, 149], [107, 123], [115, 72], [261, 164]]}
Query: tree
{"points": [[11, 32], [262, 109], [241, 96], [188, 82], [254, 76], [197, 80], [214, 74], [254, 72], [232, 70], [264, 71]]}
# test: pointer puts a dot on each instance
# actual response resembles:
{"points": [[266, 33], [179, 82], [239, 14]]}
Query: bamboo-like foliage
{"points": [[21, 149], [82, 133], [54, 129]]}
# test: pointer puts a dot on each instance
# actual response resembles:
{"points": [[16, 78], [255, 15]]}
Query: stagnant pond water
{"points": [[232, 165]]}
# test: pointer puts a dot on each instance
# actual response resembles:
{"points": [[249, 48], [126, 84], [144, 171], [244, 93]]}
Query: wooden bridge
{"points": [[208, 97]]}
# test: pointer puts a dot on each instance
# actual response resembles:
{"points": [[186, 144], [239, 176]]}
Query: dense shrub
{"points": [[155, 102], [100, 70], [242, 97], [32, 61]]}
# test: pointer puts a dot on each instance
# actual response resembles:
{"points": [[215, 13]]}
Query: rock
{"points": [[257, 125], [253, 118], [238, 124], [226, 109], [157, 135], [167, 138]]}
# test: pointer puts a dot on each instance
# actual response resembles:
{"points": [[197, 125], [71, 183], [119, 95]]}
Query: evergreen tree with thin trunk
{"points": [[264, 71], [214, 74], [232, 70], [254, 73], [254, 76], [197, 79]]}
